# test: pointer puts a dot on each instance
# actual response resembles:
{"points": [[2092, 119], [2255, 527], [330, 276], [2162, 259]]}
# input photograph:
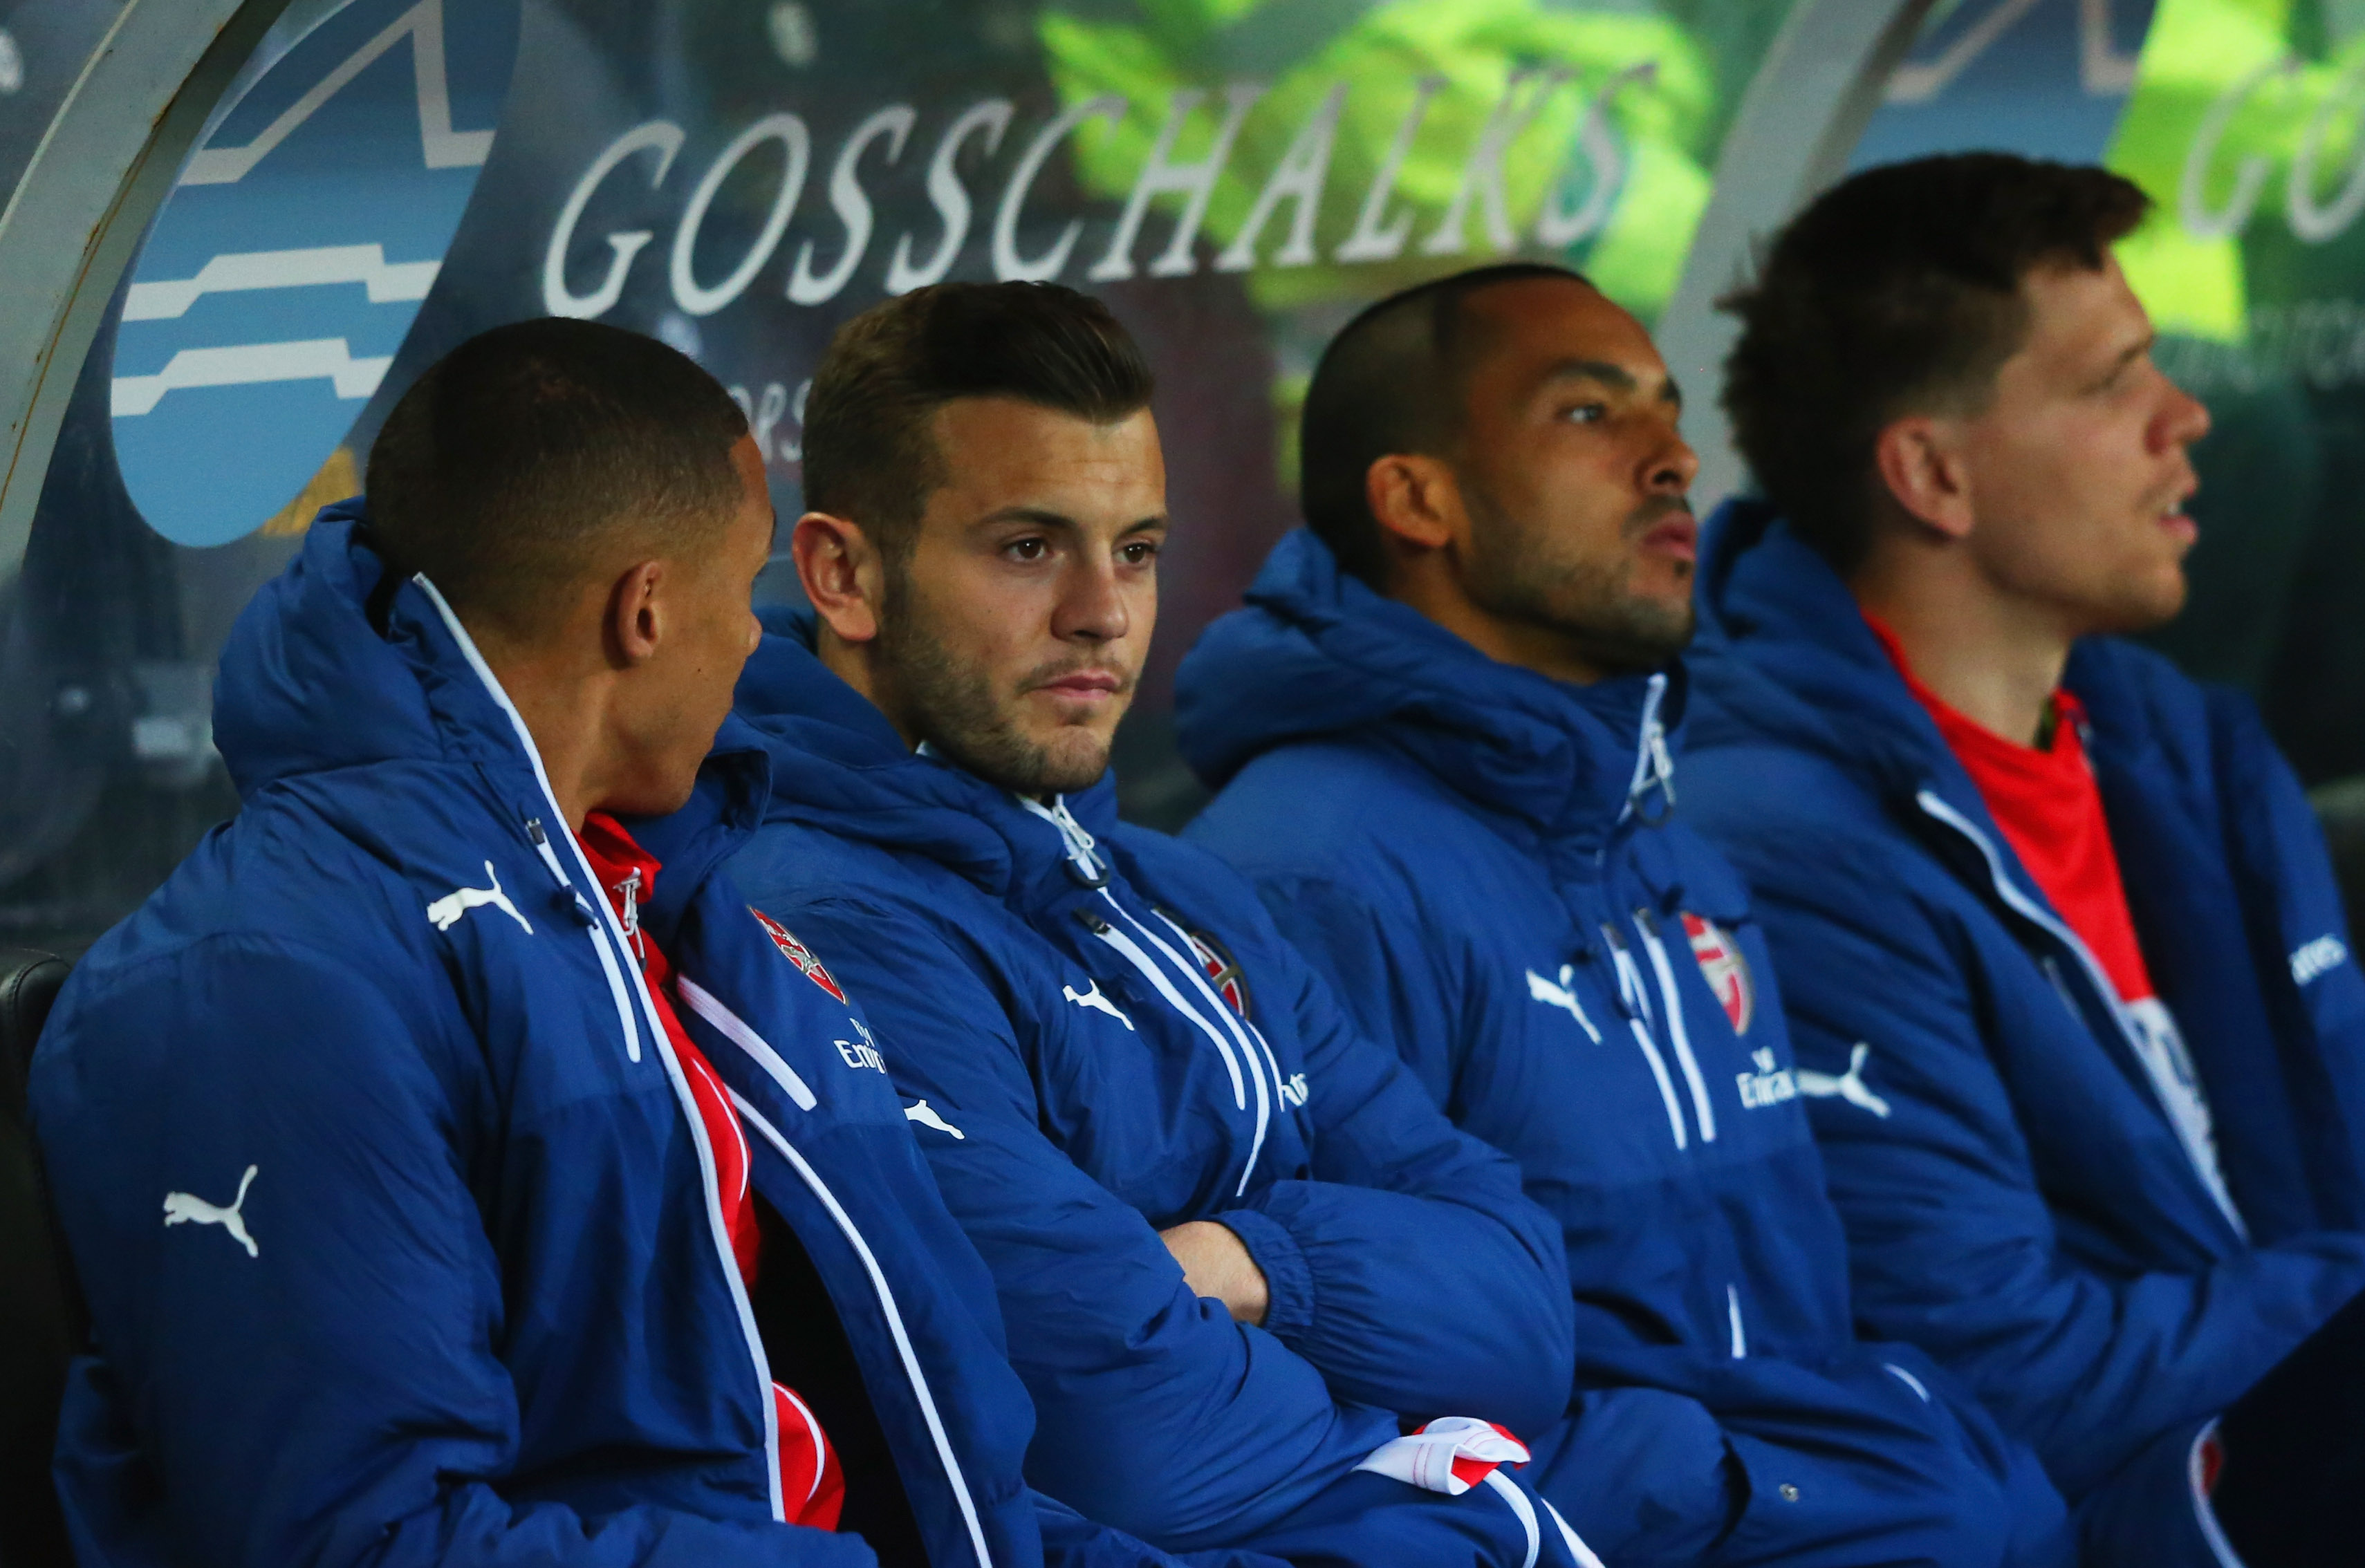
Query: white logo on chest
{"points": [[1563, 996], [1848, 1086], [1769, 1085], [1293, 1092], [446, 910], [2318, 957], [1093, 999], [863, 1052], [921, 1112], [187, 1208]]}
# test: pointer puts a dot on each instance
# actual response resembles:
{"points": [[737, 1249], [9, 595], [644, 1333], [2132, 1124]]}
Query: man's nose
{"points": [[1092, 607], [2183, 422], [1672, 464]]}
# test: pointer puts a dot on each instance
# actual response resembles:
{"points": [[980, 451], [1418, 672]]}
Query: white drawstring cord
{"points": [[1653, 768], [1077, 840]]}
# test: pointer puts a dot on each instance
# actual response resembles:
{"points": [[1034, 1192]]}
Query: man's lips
{"points": [[1675, 537], [1088, 686]]}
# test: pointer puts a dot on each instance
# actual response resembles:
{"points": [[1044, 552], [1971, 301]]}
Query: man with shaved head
{"points": [[1443, 735]]}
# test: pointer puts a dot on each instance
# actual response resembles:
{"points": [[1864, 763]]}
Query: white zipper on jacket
{"points": [[1636, 1003], [710, 1184], [2203, 1158], [1080, 847], [1733, 1317], [904, 1351], [608, 966], [1679, 1036]]}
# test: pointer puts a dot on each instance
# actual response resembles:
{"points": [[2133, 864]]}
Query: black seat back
{"points": [[41, 1314]]}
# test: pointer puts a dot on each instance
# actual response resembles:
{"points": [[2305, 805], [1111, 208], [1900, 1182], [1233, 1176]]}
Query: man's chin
{"points": [[2143, 605], [1641, 641], [1073, 760], [1064, 761]]}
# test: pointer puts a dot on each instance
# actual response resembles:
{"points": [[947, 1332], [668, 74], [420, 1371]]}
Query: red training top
{"points": [[812, 1490], [2050, 809], [2051, 813]]}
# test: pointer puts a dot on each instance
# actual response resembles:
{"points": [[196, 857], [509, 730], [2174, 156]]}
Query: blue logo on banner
{"points": [[293, 256]]}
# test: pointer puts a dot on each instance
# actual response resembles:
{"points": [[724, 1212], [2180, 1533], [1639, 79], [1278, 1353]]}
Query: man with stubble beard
{"points": [[1443, 731], [1236, 1246]]}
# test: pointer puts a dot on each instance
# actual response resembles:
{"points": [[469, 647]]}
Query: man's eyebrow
{"points": [[1617, 378], [1042, 516], [2132, 352]]}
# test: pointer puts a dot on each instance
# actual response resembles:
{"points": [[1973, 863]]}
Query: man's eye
{"points": [[1027, 549], [1585, 413], [1139, 551]]}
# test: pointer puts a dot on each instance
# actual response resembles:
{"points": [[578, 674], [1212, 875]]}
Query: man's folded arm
{"points": [[329, 1394], [1438, 1287], [1155, 1412], [1953, 1244]]}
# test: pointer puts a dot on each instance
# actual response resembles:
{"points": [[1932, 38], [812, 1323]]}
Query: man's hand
{"points": [[1216, 1264]]}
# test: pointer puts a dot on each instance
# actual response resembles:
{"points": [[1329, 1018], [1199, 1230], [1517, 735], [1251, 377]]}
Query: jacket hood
{"points": [[838, 765], [1317, 653], [1784, 653], [309, 685]]}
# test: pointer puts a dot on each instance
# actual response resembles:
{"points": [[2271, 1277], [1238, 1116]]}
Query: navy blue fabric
{"points": [[2016, 1198], [488, 1315], [1461, 846], [1035, 985]]}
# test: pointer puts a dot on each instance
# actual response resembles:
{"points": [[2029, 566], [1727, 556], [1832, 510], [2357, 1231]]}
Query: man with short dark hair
{"points": [[1231, 1237], [2061, 943], [457, 1171], [1443, 735]]}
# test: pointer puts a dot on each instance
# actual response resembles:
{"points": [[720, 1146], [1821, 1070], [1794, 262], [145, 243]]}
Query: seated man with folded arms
{"points": [[1233, 1241], [2059, 938], [457, 1171], [1444, 732]]}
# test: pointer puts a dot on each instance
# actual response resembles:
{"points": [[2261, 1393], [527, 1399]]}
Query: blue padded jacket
{"points": [[1105, 1037], [2020, 1197], [439, 1274], [1490, 866]]}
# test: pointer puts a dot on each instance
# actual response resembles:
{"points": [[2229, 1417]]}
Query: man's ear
{"points": [[842, 574], [1922, 465], [1417, 499], [637, 618]]}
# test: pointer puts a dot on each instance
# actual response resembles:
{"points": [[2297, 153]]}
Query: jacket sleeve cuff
{"points": [[1288, 1281]]}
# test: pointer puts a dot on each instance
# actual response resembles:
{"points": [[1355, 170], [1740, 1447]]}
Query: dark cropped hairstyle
{"points": [[869, 454], [1898, 292], [536, 453], [1394, 381]]}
